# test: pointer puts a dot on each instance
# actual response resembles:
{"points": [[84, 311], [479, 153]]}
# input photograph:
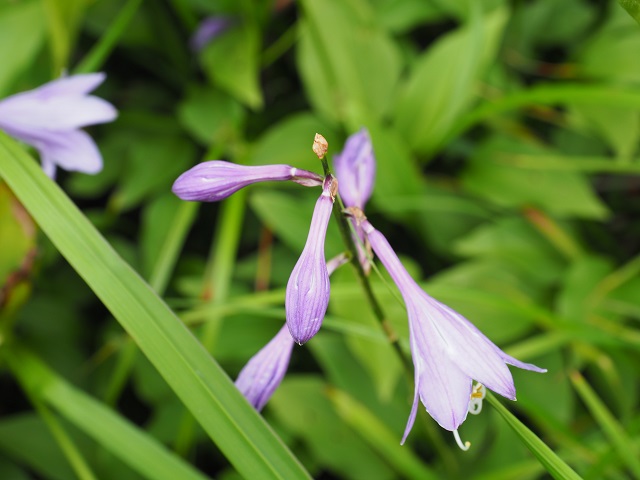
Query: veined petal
{"points": [[469, 349], [262, 375], [444, 388], [215, 180], [308, 289], [355, 169]]}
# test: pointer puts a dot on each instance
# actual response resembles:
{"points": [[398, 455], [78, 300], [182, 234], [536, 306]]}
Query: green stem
{"points": [[96, 57], [347, 238], [280, 46]]}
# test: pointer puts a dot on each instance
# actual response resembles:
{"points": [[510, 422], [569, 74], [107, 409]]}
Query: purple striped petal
{"points": [[307, 295], [262, 375]]}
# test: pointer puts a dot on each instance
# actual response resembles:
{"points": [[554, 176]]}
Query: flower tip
{"points": [[320, 146]]}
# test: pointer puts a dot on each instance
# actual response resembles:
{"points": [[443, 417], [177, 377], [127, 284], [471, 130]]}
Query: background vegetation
{"points": [[506, 137]]}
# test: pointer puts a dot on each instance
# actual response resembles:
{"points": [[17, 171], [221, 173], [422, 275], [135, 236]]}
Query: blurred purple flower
{"points": [[50, 117], [355, 169], [307, 295], [215, 180], [448, 351], [208, 30], [262, 375]]}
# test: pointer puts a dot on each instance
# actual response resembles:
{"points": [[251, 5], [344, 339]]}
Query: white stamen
{"points": [[462, 446]]}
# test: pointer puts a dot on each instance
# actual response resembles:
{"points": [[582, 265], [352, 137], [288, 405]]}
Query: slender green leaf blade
{"points": [[552, 463], [608, 423], [240, 433]]}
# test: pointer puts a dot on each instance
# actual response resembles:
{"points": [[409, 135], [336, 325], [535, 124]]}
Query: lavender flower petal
{"points": [[208, 30], [448, 351], [49, 118], [262, 375], [355, 169], [215, 180], [307, 295]]}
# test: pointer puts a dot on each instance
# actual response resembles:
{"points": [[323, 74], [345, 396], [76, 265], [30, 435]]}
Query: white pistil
{"points": [[463, 446]]}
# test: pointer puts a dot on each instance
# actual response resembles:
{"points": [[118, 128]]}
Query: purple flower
{"points": [[208, 30], [215, 180], [50, 117], [448, 351], [262, 375], [307, 295], [355, 168]]}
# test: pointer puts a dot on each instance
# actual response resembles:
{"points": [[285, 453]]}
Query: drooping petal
{"points": [[355, 168], [469, 349], [308, 289], [444, 388], [74, 150], [264, 372], [215, 180]]}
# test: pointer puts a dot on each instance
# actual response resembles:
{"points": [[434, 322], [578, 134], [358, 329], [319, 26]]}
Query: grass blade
{"points": [[551, 462], [240, 433]]}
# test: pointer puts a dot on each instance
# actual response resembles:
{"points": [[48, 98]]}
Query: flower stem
{"points": [[347, 238]]}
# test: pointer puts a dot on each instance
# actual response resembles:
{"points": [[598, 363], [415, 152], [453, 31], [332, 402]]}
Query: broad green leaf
{"points": [[619, 127], [232, 63], [518, 245], [376, 433], [63, 18], [240, 433], [548, 94], [302, 407], [442, 83], [210, 115], [612, 428], [610, 54], [22, 34], [556, 467], [25, 439], [575, 301], [340, 54], [491, 175], [142, 452], [400, 17], [632, 7]]}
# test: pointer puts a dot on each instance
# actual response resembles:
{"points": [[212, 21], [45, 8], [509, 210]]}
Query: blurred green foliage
{"points": [[506, 135]]}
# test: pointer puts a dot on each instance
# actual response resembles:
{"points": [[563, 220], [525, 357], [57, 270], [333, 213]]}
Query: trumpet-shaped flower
{"points": [[50, 117], [448, 351], [215, 180], [307, 295], [355, 168], [262, 375]]}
